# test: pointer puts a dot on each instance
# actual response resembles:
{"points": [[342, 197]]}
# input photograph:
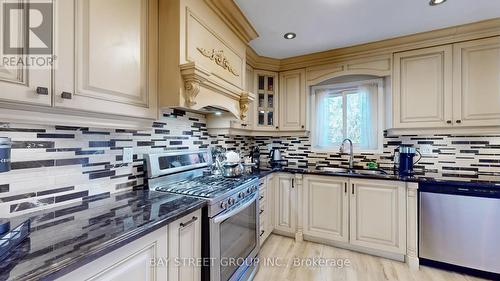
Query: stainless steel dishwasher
{"points": [[459, 227]]}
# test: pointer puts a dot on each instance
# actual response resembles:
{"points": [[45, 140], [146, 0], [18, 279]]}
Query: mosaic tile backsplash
{"points": [[57, 165]]}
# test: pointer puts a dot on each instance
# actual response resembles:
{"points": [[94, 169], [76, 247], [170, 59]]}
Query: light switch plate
{"points": [[426, 149], [128, 155]]}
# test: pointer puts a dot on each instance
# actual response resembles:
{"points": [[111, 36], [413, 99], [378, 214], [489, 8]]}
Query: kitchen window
{"points": [[349, 110]]}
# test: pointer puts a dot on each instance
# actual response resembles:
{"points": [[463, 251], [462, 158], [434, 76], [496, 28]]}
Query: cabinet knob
{"points": [[42, 91], [303, 126], [448, 122], [459, 121], [66, 95], [277, 127]]}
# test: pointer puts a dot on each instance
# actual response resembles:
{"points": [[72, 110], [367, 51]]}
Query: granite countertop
{"points": [[70, 236], [485, 181]]}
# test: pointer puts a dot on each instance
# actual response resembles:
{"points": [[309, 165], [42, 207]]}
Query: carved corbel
{"points": [[192, 88], [244, 105]]}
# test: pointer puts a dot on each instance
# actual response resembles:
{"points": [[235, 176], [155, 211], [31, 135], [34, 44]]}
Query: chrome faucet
{"points": [[351, 153]]}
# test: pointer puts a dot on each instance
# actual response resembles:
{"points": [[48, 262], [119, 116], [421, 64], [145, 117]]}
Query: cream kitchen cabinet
{"points": [[266, 101], [326, 208], [285, 204], [158, 256], [265, 204], [292, 102], [448, 86], [184, 245], [107, 56], [422, 90], [378, 215], [476, 82]]}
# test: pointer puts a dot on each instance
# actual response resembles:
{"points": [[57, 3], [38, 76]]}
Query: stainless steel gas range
{"points": [[230, 222]]}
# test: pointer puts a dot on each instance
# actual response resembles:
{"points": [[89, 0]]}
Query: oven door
{"points": [[234, 241]]}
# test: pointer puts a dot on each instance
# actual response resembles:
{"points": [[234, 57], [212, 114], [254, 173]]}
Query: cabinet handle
{"points": [[262, 233], [459, 121], [42, 91], [345, 187], [66, 95], [261, 211], [353, 189], [243, 125], [293, 183], [262, 197], [184, 224], [449, 122]]}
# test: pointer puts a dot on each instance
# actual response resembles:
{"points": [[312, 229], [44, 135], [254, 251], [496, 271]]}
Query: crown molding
{"points": [[450, 35], [232, 15]]}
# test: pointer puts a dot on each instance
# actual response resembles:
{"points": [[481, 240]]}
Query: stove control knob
{"points": [[249, 191], [241, 195], [231, 201], [254, 188], [223, 204]]}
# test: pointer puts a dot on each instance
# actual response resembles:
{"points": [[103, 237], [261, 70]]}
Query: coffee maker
{"points": [[406, 160]]}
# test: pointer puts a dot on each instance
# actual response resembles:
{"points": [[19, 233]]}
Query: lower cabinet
{"points": [[162, 255], [285, 204], [265, 213], [363, 213], [327, 208], [378, 215]]}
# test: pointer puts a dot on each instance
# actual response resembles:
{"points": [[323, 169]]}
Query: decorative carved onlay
{"points": [[244, 105], [192, 88], [219, 58]]}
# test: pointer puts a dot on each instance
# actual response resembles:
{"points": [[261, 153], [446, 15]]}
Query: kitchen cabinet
{"points": [[378, 215], [107, 56], [448, 86], [184, 244], [285, 204], [265, 220], [476, 76], [165, 254], [292, 109], [326, 208], [266, 103], [422, 96]]}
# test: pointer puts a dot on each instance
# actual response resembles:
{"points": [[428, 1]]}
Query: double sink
{"points": [[376, 172]]}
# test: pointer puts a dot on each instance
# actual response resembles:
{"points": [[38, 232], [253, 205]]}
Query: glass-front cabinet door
{"points": [[266, 105]]}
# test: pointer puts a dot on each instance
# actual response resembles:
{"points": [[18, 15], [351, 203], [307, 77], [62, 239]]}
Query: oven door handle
{"points": [[231, 213]]}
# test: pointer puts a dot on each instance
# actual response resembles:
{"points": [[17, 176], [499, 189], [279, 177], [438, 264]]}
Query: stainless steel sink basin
{"points": [[333, 170], [347, 171]]}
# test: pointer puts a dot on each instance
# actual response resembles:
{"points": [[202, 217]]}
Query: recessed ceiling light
{"points": [[436, 2], [291, 35]]}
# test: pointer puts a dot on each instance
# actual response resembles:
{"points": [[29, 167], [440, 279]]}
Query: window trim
{"points": [[349, 87]]}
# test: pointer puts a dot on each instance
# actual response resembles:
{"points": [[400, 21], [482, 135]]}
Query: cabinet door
{"points": [[477, 82], [263, 211], [19, 84], [326, 208], [184, 247], [423, 88], [106, 52], [266, 101], [378, 215], [292, 100], [251, 107], [143, 259], [285, 204]]}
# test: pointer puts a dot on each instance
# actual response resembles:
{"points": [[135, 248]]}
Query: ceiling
{"points": [[329, 24]]}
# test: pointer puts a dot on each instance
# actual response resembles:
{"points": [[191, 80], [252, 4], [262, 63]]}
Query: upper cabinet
{"points": [[292, 107], [423, 87], [266, 105], [476, 82], [107, 56], [202, 60], [448, 86]]}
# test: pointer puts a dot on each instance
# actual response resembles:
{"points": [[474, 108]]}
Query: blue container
{"points": [[406, 155], [5, 147]]}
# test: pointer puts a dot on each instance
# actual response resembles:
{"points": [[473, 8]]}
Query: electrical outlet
{"points": [[426, 149], [128, 155]]}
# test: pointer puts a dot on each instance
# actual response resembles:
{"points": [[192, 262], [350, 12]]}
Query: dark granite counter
{"points": [[70, 236], [485, 181]]}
